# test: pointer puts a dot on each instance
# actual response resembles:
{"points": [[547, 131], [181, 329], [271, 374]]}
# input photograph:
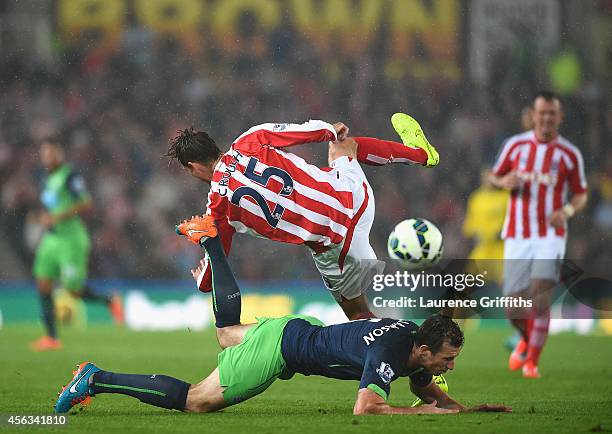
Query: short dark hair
{"points": [[436, 330], [190, 145], [548, 95], [52, 140]]}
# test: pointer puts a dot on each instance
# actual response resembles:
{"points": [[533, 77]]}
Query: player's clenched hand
{"points": [[199, 273], [432, 409], [195, 272], [341, 131], [490, 408], [511, 181], [558, 218]]}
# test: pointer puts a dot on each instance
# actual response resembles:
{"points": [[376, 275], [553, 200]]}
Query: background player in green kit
{"points": [[63, 252]]}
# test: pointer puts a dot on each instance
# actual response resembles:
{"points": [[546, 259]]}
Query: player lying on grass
{"points": [[259, 188], [374, 352]]}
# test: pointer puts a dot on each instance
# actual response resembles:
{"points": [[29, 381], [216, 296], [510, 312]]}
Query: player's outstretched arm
{"points": [[432, 393], [283, 135], [369, 402]]}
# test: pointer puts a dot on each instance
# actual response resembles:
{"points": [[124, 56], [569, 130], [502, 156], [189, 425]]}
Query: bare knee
{"points": [[232, 335], [224, 337], [200, 404], [203, 407], [206, 396], [541, 294], [345, 148], [541, 285], [515, 311], [199, 408], [356, 308]]}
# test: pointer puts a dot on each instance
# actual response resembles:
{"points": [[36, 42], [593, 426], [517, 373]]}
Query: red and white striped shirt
{"points": [[259, 189], [548, 171]]}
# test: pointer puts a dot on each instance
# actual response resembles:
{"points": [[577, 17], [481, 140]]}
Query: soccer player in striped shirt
{"points": [[540, 168], [259, 188]]}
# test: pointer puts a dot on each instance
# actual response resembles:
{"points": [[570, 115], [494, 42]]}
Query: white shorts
{"points": [[349, 268], [527, 259]]}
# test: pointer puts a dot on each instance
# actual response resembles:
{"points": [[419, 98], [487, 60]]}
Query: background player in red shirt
{"points": [[259, 188], [539, 167]]}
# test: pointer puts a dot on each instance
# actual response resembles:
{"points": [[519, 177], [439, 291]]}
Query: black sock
{"points": [[157, 390], [90, 295], [48, 314], [226, 293]]}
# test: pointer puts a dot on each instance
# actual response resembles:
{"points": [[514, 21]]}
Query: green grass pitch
{"points": [[575, 394]]}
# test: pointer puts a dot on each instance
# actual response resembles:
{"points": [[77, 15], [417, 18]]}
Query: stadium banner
{"points": [[462, 289], [504, 32], [423, 43], [168, 305]]}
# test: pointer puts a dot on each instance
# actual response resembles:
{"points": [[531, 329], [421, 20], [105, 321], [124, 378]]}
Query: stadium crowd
{"points": [[115, 113]]}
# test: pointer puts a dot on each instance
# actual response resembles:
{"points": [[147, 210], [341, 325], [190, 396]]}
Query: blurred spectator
{"points": [[117, 110]]}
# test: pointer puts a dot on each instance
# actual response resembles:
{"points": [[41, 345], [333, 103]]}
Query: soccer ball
{"points": [[416, 244], [440, 382]]}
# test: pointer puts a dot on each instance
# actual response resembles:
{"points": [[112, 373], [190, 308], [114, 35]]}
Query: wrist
{"points": [[569, 210]]}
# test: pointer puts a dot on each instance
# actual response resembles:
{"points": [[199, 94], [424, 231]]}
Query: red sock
{"points": [[529, 323], [376, 152], [523, 326], [537, 337]]}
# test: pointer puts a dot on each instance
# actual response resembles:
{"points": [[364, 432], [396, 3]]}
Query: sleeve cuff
{"points": [[498, 172], [378, 390], [333, 132], [326, 125]]}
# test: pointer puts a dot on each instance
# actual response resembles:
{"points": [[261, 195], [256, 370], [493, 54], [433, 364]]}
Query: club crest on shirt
{"points": [[279, 127], [548, 179], [385, 372]]}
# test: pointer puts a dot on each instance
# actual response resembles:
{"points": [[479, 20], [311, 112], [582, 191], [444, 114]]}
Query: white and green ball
{"points": [[416, 244]]}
